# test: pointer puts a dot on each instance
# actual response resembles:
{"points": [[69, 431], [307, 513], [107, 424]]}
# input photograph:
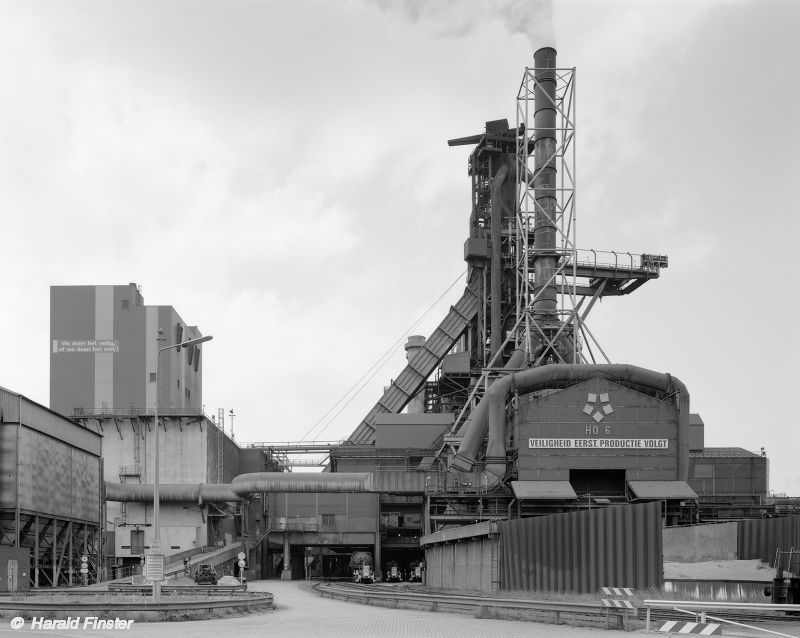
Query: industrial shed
{"points": [[50, 491]]}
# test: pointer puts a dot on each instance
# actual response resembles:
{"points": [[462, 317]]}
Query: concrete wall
{"points": [[697, 543], [103, 351], [183, 451]]}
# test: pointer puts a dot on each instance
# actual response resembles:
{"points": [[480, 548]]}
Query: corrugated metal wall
{"points": [[759, 538], [467, 564], [57, 479], [583, 551]]}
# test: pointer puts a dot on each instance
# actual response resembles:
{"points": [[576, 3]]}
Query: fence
{"points": [[759, 538], [583, 551]]}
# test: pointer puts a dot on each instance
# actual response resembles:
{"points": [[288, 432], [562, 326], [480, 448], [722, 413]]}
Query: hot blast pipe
{"points": [[473, 438], [175, 493], [246, 484], [242, 487]]}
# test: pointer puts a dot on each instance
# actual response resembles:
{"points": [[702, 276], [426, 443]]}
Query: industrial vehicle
{"points": [[205, 575], [393, 573], [415, 573], [362, 567], [785, 588]]}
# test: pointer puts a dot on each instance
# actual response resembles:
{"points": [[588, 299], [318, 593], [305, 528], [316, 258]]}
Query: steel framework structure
{"points": [[530, 165], [56, 545]]}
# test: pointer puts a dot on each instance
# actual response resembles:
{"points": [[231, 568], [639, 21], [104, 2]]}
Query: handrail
{"points": [[701, 604]]}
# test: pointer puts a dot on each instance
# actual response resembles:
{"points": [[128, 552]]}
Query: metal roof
{"points": [[543, 490], [476, 530], [661, 489], [722, 452]]}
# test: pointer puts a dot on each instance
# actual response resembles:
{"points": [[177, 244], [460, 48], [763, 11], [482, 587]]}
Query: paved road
{"points": [[301, 613]]}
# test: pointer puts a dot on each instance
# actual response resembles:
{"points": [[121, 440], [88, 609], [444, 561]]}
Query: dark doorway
{"points": [[603, 483], [137, 541]]}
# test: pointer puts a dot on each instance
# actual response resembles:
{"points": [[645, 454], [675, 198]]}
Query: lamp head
{"points": [[194, 342]]}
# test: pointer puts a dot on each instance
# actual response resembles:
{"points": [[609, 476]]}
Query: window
{"points": [[152, 377], [137, 541], [126, 304], [328, 522], [703, 471], [179, 384]]}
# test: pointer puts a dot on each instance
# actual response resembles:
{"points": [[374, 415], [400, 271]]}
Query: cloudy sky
{"points": [[279, 173]]}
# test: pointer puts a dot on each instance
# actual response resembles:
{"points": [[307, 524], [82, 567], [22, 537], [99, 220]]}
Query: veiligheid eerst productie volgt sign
{"points": [[601, 443]]}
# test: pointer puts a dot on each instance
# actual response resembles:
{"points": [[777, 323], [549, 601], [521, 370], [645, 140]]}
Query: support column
{"points": [[55, 552], [286, 574], [378, 571], [85, 550], [69, 571], [36, 552]]}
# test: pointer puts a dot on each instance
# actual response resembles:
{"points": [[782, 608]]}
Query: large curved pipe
{"points": [[242, 487], [246, 484], [171, 493], [480, 414], [547, 376]]}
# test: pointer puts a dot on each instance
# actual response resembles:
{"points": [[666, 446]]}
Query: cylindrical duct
{"points": [[246, 484], [549, 376], [473, 436], [171, 493], [544, 184], [242, 487], [414, 344], [496, 326]]}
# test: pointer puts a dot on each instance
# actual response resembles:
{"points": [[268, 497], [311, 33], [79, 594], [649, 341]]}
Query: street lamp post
{"points": [[155, 548]]}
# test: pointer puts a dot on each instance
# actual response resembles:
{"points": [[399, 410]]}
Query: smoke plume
{"points": [[456, 18]]}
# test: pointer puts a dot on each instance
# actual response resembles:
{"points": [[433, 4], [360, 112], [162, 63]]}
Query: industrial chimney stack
{"points": [[545, 257]]}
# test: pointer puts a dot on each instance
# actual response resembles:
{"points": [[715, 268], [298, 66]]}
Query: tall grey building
{"points": [[104, 345]]}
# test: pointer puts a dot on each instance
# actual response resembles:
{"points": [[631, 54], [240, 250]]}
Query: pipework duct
{"points": [[548, 376], [496, 331], [171, 493], [544, 184], [242, 487], [246, 484], [472, 439]]}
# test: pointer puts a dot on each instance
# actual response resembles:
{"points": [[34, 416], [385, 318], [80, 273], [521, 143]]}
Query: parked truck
{"points": [[785, 588], [393, 574], [362, 567], [415, 572]]}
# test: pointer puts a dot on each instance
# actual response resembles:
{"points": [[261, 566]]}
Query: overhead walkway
{"points": [[411, 380]]}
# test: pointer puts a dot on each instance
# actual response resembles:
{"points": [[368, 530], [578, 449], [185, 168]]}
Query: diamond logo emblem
{"points": [[598, 406]]}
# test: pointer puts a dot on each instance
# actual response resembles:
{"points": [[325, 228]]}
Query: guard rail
{"points": [[260, 599], [480, 604]]}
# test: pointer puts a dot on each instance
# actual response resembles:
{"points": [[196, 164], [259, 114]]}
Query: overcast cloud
{"points": [[278, 172]]}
